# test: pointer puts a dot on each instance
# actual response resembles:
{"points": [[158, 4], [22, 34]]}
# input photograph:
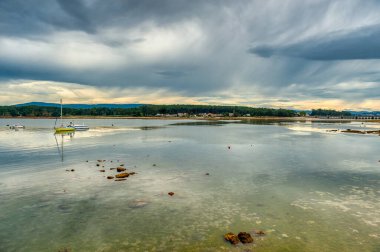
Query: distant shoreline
{"points": [[263, 118]]}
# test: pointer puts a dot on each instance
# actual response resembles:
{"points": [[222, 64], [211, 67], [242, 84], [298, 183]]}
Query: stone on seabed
{"points": [[122, 175], [120, 179], [245, 237], [120, 169], [232, 238], [259, 232]]}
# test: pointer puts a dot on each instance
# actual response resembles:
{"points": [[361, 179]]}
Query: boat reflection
{"points": [[62, 135]]}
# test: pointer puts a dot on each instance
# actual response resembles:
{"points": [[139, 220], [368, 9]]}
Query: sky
{"points": [[298, 54]]}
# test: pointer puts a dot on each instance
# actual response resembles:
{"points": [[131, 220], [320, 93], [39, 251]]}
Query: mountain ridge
{"points": [[80, 106]]}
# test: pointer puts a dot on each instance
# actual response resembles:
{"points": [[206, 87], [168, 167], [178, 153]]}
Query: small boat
{"points": [[79, 127], [64, 129], [17, 126]]}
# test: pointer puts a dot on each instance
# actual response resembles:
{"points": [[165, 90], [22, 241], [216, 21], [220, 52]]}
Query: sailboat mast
{"points": [[61, 113]]}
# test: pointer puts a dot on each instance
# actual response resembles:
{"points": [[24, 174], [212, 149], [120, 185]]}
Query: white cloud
{"points": [[47, 91]]}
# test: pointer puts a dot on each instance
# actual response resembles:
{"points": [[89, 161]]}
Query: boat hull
{"points": [[63, 130], [81, 127]]}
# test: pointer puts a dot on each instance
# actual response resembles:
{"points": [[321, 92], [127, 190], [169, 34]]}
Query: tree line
{"points": [[144, 110], [154, 110], [329, 112]]}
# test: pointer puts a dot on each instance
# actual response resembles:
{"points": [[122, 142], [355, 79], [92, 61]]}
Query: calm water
{"points": [[309, 189]]}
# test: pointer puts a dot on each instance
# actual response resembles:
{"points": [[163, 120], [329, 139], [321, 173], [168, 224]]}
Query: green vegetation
{"points": [[326, 112], [154, 110], [145, 110]]}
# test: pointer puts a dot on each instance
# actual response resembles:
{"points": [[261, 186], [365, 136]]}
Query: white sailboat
{"points": [[62, 128]]}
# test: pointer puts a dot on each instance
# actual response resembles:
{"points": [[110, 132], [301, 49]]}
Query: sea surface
{"points": [[308, 188]]}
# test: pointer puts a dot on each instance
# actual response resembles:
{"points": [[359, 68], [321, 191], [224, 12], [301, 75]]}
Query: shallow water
{"points": [[307, 188]]}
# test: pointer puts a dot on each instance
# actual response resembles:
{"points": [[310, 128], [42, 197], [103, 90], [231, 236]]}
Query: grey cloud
{"points": [[79, 14], [220, 61], [19, 17], [362, 44]]}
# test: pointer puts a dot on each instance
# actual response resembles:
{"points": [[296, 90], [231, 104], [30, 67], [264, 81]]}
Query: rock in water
{"points": [[245, 237], [122, 175], [120, 179], [120, 169], [259, 232], [171, 193], [109, 177], [102, 170], [232, 238]]}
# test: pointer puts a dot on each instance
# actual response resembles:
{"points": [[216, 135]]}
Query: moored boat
{"points": [[63, 129], [79, 127], [17, 126]]}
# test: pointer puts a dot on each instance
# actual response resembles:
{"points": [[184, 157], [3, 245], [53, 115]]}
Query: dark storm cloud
{"points": [[362, 43], [19, 17], [195, 47], [79, 14]]}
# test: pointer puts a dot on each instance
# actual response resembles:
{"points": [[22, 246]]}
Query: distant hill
{"points": [[365, 113], [79, 106]]}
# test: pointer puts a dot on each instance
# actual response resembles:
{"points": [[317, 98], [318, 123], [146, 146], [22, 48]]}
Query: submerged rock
{"points": [[171, 193], [97, 164], [72, 170], [120, 169], [110, 177], [121, 164], [112, 169], [259, 232], [64, 207], [232, 238], [245, 237], [353, 131], [207, 173], [122, 175], [102, 170], [373, 132], [120, 179]]}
